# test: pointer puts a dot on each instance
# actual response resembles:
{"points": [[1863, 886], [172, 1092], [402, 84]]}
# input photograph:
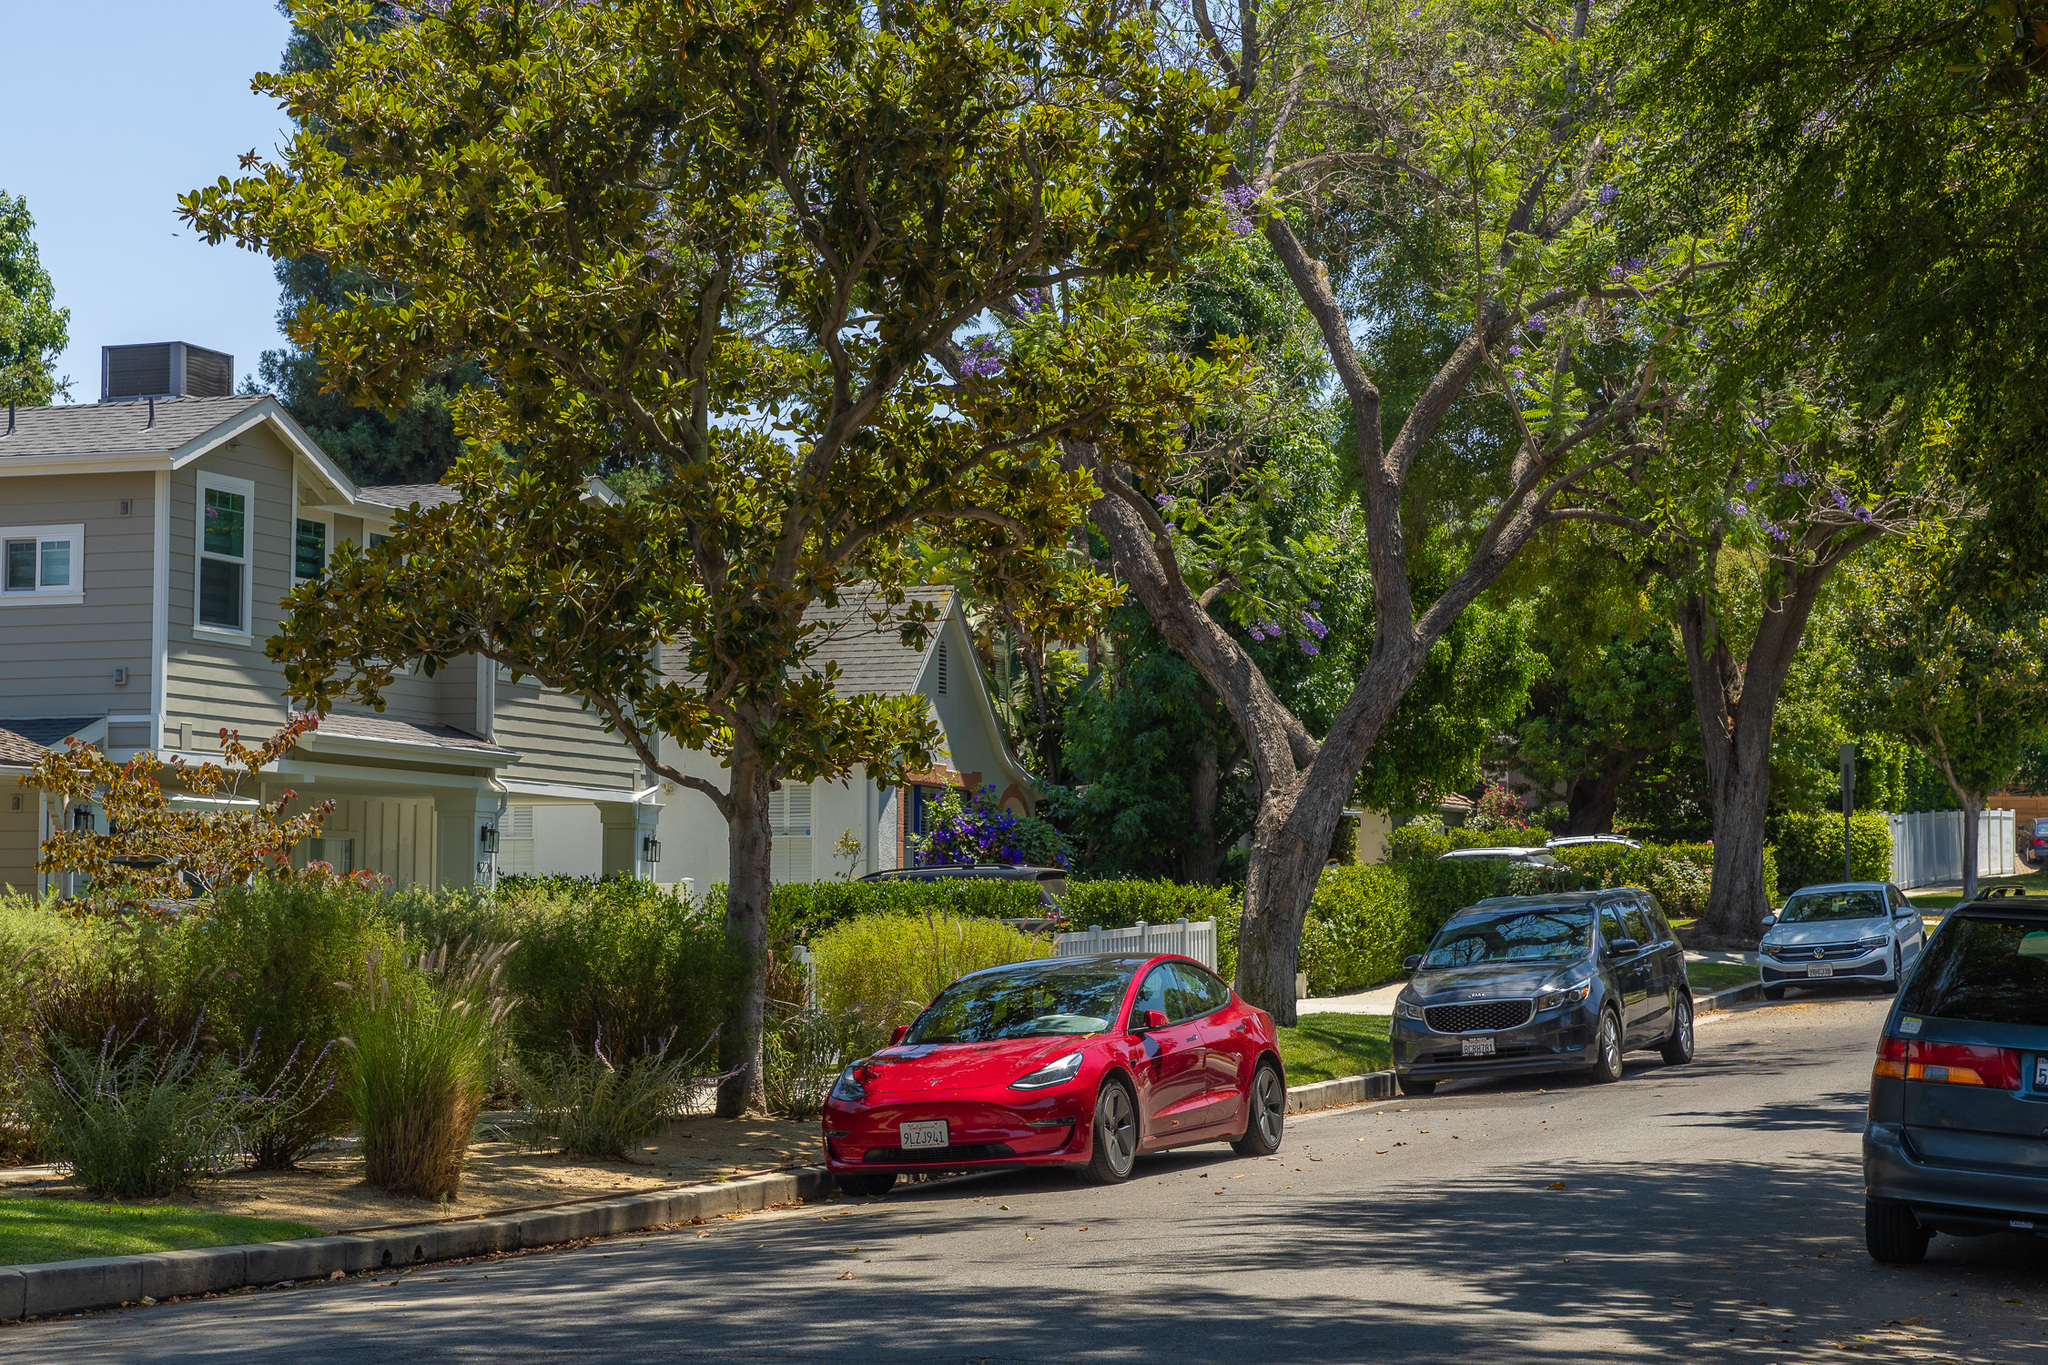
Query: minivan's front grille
{"points": [[1480, 1016]]}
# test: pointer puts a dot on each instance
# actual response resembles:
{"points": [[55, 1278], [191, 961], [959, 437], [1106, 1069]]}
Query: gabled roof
{"points": [[23, 742], [871, 658], [403, 495], [389, 730]]}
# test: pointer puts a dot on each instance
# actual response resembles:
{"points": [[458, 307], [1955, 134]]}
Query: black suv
{"points": [[1957, 1138], [1543, 983]]}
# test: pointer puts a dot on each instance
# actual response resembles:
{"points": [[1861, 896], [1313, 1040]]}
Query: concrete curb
{"points": [[1373, 1085], [51, 1287], [1728, 999]]}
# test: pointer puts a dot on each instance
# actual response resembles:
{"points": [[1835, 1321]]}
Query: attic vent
{"points": [[164, 369], [939, 668]]}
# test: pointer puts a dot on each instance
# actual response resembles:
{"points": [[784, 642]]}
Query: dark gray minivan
{"points": [[1957, 1138]]}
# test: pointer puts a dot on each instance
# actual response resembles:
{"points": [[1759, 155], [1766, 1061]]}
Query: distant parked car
{"points": [[1843, 930], [1566, 982], [1532, 857], [1083, 1062], [1590, 840], [1953, 1142], [2037, 844]]}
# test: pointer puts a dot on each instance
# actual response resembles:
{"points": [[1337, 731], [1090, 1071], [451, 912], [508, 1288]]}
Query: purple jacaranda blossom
{"points": [[1535, 323], [1749, 486], [1841, 501], [1863, 514], [1634, 263], [1514, 350], [1415, 13], [1615, 272], [1237, 203], [1596, 215], [1608, 194], [1309, 647], [1164, 499], [1256, 632], [1314, 626], [980, 358], [1739, 509]]}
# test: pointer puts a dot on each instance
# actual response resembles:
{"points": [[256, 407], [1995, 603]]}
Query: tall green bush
{"points": [[800, 910], [1118, 903], [268, 962], [1809, 848], [880, 970]]}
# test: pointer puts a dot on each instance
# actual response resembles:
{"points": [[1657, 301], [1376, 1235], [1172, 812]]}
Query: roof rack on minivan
{"points": [[1999, 892]]}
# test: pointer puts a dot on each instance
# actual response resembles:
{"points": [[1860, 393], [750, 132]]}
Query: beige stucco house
{"points": [[146, 543]]}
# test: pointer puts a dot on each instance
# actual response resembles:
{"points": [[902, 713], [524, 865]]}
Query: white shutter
{"points": [[515, 841], [789, 824]]}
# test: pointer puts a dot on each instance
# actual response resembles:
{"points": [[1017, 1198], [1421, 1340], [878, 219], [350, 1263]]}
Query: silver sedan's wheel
{"points": [[1266, 1123], [1116, 1135]]}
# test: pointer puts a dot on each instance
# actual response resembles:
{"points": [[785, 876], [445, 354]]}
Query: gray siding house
{"points": [[146, 543]]}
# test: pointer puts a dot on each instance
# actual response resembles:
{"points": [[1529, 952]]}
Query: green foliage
{"points": [[620, 960], [268, 962], [802, 910], [33, 330], [587, 1104], [146, 1120], [1118, 903], [1809, 848], [805, 1050], [427, 1037], [1361, 923], [1322, 1047], [879, 970]]}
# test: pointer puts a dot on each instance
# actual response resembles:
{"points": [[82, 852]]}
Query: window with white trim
{"points": [[226, 525], [41, 562]]}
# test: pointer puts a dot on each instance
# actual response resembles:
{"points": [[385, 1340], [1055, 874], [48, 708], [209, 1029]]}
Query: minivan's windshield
{"points": [[1983, 970], [1815, 907], [1032, 1002], [1557, 934]]}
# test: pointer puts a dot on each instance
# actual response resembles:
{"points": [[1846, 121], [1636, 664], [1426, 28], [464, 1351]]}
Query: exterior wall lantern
{"points": [[81, 820], [650, 849], [487, 838]]}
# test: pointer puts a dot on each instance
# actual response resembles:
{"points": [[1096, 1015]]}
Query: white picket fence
{"points": [[1927, 846], [1197, 940]]}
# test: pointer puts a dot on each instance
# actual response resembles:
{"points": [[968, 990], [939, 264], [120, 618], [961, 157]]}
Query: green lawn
{"points": [[1323, 1047], [63, 1230], [1708, 977], [2033, 884]]}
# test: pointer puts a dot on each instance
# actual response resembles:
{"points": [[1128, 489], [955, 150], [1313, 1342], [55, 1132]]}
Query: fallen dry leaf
{"points": [[1555, 1185], [847, 1276]]}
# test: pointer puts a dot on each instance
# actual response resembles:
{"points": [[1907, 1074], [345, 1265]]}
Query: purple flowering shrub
{"points": [[962, 829]]}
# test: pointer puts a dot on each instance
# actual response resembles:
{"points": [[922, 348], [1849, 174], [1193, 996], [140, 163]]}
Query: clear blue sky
{"points": [[108, 111]]}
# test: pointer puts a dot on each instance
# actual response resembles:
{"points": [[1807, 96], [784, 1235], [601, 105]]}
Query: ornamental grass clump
{"points": [[427, 1037], [137, 1120], [586, 1102], [878, 971]]}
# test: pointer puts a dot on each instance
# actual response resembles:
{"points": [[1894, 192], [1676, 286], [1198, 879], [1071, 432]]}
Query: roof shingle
{"points": [[351, 726], [118, 428], [871, 658], [22, 742], [403, 495]]}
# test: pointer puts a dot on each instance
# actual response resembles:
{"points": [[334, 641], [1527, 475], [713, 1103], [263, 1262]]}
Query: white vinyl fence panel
{"points": [[1927, 846], [1197, 940]]}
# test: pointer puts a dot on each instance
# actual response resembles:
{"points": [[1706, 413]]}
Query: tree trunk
{"points": [[746, 933]]}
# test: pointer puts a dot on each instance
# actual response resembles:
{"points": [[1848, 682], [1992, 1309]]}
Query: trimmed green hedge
{"points": [[1810, 848], [1121, 902], [797, 911]]}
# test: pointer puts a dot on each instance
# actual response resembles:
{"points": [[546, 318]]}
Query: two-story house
{"points": [[146, 543]]}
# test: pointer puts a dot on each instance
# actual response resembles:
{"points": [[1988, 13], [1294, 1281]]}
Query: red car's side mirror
{"points": [[1142, 1020], [899, 1034]]}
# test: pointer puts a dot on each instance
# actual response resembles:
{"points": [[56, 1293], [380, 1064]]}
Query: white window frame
{"points": [[72, 593], [222, 483], [327, 547]]}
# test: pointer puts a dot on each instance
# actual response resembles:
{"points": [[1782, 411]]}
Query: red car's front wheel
{"points": [[1116, 1135]]}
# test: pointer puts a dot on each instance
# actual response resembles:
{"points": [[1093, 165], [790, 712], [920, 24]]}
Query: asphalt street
{"points": [[1705, 1212]]}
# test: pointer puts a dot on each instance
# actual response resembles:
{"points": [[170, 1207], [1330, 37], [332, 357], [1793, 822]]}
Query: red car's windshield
{"points": [[1032, 1002]]}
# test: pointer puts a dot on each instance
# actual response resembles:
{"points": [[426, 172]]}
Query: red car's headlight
{"points": [[848, 1086], [1052, 1073]]}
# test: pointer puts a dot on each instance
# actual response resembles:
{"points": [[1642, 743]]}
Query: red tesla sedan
{"points": [[1067, 1061]]}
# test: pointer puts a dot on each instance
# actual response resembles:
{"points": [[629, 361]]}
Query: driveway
{"points": [[1706, 1213]]}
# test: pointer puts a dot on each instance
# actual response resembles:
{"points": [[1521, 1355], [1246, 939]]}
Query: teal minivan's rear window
{"points": [[1990, 971]]}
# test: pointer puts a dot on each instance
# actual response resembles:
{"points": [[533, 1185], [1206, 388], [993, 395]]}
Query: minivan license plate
{"points": [[2041, 1074], [924, 1133], [1478, 1047], [1820, 971]]}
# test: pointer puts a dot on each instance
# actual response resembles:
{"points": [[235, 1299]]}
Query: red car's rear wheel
{"points": [[1116, 1135], [1266, 1117]]}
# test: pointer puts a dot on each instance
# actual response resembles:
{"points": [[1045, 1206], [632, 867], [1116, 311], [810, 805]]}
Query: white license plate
{"points": [[1820, 971], [1477, 1047], [2041, 1073], [924, 1133]]}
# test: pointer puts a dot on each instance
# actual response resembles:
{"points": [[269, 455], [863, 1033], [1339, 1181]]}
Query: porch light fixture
{"points": [[487, 837], [81, 819], [650, 849]]}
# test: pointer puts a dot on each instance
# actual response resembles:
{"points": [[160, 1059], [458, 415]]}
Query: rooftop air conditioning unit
{"points": [[164, 369]]}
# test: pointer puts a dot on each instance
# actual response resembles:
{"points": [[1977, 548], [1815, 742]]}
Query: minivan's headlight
{"points": [[1408, 1009], [848, 1086], [1567, 995], [1052, 1073]]}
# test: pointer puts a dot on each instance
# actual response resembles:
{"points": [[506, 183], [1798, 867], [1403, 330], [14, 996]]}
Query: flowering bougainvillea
{"points": [[963, 828]]}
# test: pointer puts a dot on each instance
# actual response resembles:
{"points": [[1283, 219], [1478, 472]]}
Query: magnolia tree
{"points": [[172, 844], [722, 246]]}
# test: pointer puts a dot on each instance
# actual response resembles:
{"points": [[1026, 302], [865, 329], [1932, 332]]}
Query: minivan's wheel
{"points": [[1774, 992], [1266, 1120], [1607, 1048], [866, 1185], [1892, 1233], [1678, 1047], [1410, 1086], [1116, 1135]]}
